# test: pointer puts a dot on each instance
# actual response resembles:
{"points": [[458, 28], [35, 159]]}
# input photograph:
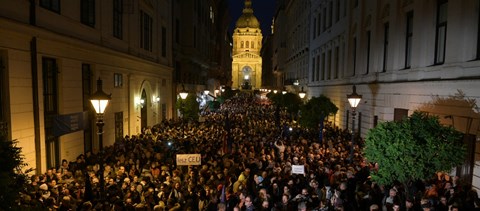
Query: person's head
{"points": [[454, 208], [304, 191], [374, 207], [248, 201], [409, 203], [121, 169], [221, 207], [177, 185], [302, 206], [447, 185], [425, 203], [111, 181], [393, 192], [285, 198], [443, 200], [265, 204]]}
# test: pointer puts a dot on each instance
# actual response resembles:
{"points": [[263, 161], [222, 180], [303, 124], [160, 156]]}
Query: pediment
{"points": [[247, 55]]}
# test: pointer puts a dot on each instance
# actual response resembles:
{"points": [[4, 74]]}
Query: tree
{"points": [[226, 94], [189, 107], [290, 101], [12, 177], [213, 105], [412, 149], [314, 112]]}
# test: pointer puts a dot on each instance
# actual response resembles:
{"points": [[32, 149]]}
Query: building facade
{"points": [[52, 54], [247, 44], [200, 44], [402, 56]]}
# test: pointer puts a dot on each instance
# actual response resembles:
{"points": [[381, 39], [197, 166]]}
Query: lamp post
{"points": [[183, 93], [302, 94], [99, 101], [354, 100]]}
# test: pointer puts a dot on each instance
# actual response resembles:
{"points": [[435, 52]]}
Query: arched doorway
{"points": [[246, 77], [143, 110]]}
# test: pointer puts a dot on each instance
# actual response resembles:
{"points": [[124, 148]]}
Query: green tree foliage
{"points": [[213, 105], [189, 107], [12, 178], [316, 110], [290, 101], [413, 149], [227, 94]]}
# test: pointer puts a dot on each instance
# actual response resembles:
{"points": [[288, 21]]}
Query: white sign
{"points": [[298, 169], [189, 159]]}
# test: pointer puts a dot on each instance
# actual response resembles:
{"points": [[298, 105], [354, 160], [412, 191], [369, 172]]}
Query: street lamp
{"points": [[302, 93], [183, 93], [99, 101], [354, 100]]}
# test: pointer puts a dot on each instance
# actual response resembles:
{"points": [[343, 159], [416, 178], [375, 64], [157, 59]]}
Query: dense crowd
{"points": [[248, 151]]}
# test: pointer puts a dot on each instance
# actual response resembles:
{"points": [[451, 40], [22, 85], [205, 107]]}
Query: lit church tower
{"points": [[247, 43]]}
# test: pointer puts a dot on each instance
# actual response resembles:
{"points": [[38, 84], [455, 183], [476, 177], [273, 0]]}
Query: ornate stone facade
{"points": [[247, 43]]}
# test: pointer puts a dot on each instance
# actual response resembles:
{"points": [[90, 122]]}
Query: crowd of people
{"points": [[248, 157]]}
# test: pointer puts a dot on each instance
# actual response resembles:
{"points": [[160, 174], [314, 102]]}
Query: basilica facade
{"points": [[247, 43]]}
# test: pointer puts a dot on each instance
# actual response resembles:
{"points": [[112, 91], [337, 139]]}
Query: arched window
{"points": [[247, 45], [241, 44], [253, 44]]}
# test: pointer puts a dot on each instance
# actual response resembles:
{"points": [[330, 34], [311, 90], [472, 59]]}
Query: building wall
{"points": [[297, 43], [349, 46], [61, 36]]}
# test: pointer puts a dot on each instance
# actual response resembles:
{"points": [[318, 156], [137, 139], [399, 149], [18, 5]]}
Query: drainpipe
{"points": [[36, 115]]}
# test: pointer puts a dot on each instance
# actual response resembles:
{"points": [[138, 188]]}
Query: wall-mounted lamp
{"points": [[139, 102], [156, 99], [275, 91]]}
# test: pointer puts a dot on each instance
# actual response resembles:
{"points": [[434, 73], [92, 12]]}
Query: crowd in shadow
{"points": [[247, 160]]}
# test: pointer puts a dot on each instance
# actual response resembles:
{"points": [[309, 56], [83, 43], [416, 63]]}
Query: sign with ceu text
{"points": [[189, 159], [298, 169]]}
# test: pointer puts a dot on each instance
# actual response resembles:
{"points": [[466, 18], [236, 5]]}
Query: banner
{"points": [[69, 123], [189, 159], [298, 169]]}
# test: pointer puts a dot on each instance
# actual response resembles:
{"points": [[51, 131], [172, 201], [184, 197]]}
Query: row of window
{"points": [[321, 64], [326, 66], [87, 17], [247, 44], [330, 12]]}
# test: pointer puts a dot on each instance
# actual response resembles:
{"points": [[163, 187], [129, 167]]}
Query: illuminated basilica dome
{"points": [[248, 20]]}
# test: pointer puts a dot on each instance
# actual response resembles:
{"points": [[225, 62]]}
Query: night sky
{"points": [[262, 9]]}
